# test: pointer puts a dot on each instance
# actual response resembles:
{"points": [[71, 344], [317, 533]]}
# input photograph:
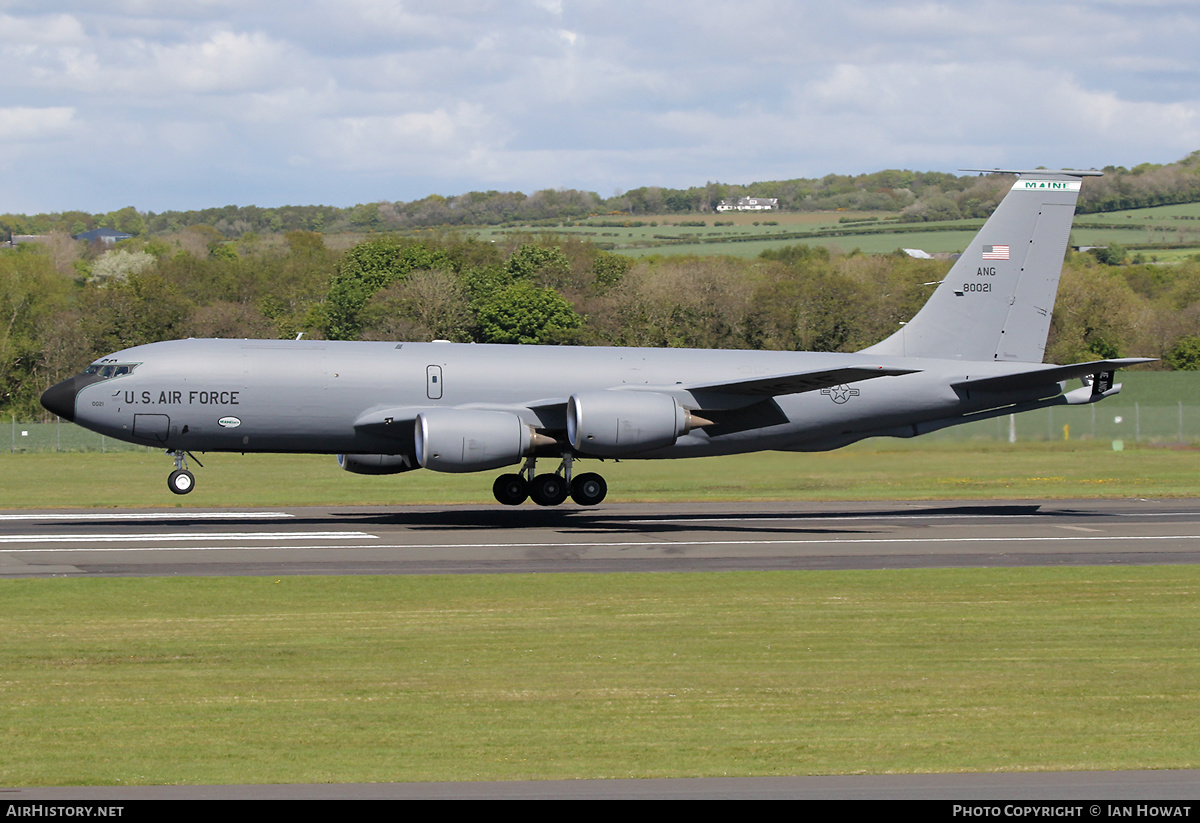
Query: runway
{"points": [[606, 539], [614, 538]]}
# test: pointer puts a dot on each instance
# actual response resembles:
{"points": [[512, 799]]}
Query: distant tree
{"points": [[427, 305], [144, 308], [525, 313], [366, 217], [1095, 314], [367, 268], [546, 265], [31, 291], [1185, 354], [1110, 255], [941, 207], [127, 220], [608, 269], [118, 264], [224, 251]]}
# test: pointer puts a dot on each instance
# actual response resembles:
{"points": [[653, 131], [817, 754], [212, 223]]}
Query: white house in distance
{"points": [[106, 236], [749, 204]]}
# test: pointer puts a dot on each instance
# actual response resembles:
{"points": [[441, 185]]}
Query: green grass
{"points": [[369, 679], [872, 471], [362, 679]]}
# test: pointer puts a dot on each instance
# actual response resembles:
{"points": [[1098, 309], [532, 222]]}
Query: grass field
{"points": [[872, 471], [495, 677]]}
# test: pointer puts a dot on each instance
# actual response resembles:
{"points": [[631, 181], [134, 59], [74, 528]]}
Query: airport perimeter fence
{"points": [[61, 436], [1134, 423], [1106, 421]]}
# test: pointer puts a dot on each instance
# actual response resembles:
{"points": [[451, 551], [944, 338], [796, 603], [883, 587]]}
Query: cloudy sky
{"points": [[179, 104]]}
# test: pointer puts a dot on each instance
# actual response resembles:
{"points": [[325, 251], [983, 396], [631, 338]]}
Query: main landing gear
{"points": [[549, 489], [182, 481]]}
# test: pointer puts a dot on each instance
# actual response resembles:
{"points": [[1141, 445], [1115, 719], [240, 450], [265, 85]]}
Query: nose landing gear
{"points": [[182, 481]]}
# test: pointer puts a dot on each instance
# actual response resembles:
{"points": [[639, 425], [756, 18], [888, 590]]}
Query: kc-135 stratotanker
{"points": [[973, 352]]}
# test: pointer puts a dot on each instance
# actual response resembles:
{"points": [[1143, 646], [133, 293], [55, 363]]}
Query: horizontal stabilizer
{"points": [[1041, 172], [777, 384], [1049, 375]]}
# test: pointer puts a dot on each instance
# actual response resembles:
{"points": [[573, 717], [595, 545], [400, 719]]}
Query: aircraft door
{"points": [[151, 426], [433, 382]]}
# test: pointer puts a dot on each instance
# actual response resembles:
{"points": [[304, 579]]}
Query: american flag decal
{"points": [[995, 252]]}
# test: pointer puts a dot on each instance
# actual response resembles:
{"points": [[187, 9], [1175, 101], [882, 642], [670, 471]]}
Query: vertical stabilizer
{"points": [[995, 303]]}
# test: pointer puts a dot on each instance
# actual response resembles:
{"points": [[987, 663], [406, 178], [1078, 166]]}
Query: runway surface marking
{"points": [[202, 536], [630, 544], [182, 515], [907, 516]]}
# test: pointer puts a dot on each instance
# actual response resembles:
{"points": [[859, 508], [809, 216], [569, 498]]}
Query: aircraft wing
{"points": [[1046, 376], [797, 382]]}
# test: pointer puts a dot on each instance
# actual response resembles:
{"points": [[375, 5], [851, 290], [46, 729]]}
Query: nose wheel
{"points": [[181, 481]]}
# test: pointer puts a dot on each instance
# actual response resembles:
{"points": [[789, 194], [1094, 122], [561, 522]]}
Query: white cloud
{"points": [[225, 62], [442, 140], [19, 123], [227, 100]]}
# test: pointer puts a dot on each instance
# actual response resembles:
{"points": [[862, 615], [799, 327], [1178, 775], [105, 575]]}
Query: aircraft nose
{"points": [[60, 398]]}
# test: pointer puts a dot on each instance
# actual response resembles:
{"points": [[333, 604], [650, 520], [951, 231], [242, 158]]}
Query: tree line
{"points": [[916, 196], [63, 305]]}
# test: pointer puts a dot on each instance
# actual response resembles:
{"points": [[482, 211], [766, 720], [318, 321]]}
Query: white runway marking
{"points": [[180, 515], [181, 536], [633, 544], [902, 515]]}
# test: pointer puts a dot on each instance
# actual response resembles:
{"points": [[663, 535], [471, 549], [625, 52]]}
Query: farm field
{"points": [[1170, 232]]}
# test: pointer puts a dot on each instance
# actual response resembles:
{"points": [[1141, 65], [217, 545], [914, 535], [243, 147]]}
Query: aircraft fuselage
{"points": [[308, 396]]}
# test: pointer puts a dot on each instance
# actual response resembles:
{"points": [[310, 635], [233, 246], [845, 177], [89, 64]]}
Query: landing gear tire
{"points": [[588, 489], [510, 489], [181, 481], [548, 490]]}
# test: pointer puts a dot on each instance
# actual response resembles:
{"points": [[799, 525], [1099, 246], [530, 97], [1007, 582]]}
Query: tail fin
{"points": [[995, 303]]}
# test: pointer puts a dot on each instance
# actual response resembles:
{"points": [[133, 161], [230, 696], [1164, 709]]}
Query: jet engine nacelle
{"points": [[621, 423], [377, 463], [468, 440]]}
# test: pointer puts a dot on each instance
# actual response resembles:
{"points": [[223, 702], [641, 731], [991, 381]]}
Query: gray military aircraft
{"points": [[973, 352]]}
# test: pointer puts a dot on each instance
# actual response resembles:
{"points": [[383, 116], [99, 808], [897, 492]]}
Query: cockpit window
{"points": [[108, 370]]}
